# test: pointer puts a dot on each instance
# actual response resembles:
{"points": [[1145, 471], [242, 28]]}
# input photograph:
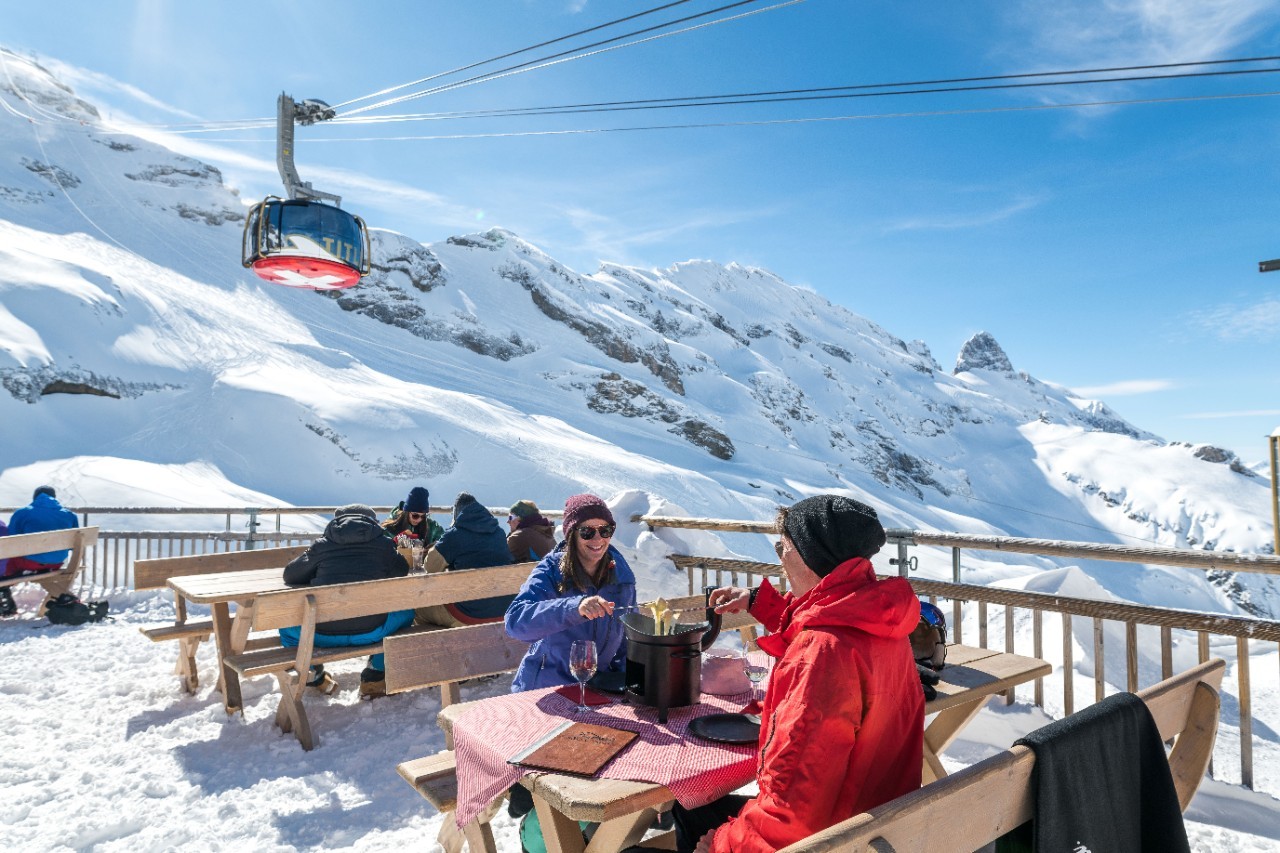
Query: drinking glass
{"points": [[756, 666], [582, 663]]}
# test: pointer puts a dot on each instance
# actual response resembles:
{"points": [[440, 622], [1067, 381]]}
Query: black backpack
{"points": [[67, 609]]}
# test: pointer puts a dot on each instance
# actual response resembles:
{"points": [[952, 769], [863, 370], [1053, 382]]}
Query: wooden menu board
{"points": [[580, 749]]}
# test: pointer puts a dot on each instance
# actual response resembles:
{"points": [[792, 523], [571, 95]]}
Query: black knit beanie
{"points": [[419, 500], [829, 529]]}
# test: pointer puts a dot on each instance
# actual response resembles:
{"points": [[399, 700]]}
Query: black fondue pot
{"points": [[665, 670]]}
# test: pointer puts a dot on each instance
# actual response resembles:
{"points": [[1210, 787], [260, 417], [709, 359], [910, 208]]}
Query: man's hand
{"points": [[729, 599], [593, 607]]}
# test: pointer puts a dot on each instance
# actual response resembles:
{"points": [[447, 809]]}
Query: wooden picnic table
{"points": [[626, 808], [219, 591]]}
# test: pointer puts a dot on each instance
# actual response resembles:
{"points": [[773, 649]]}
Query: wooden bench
{"points": [[77, 539], [307, 606], [155, 574], [977, 805], [445, 658]]}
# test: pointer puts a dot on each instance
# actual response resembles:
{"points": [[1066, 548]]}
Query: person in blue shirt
{"points": [[44, 513], [571, 595]]}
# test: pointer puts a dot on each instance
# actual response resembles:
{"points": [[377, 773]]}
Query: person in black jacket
{"points": [[353, 548], [474, 541]]}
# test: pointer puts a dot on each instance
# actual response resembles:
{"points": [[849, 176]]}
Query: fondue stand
{"points": [[625, 809]]}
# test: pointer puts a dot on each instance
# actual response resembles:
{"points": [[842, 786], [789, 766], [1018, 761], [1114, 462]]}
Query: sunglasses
{"points": [[417, 516], [932, 615], [588, 533]]}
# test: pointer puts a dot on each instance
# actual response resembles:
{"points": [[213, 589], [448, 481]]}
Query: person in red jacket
{"points": [[842, 729]]}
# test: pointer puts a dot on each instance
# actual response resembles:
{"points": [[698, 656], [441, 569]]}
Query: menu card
{"points": [[580, 749]]}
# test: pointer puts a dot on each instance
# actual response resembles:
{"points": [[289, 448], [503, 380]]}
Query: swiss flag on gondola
{"points": [[308, 273]]}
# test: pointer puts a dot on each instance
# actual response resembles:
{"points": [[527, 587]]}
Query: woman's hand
{"points": [[729, 599], [704, 843], [593, 607]]}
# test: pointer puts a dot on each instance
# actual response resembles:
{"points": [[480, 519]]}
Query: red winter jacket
{"points": [[843, 717]]}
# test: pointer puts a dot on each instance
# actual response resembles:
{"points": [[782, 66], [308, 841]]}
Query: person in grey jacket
{"points": [[353, 548]]}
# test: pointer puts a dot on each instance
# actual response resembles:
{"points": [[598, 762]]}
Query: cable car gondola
{"points": [[306, 240]]}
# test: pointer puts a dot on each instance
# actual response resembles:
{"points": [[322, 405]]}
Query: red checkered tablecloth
{"points": [[695, 771]]}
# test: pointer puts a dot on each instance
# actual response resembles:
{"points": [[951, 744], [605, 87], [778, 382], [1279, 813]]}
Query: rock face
{"points": [[981, 352]]}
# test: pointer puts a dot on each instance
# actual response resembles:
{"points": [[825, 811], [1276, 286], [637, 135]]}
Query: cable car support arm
{"points": [[307, 112]]}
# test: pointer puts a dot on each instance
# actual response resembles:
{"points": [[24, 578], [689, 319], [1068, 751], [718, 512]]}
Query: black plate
{"points": [[609, 682], [726, 728]]}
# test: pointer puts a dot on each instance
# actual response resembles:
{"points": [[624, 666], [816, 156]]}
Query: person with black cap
{"points": [[353, 548], [413, 515], [842, 729], [44, 513]]}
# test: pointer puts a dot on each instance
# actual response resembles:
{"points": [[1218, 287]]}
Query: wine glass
{"points": [[582, 663], [756, 667]]}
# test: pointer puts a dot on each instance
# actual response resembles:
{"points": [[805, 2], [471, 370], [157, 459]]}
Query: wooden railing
{"points": [[109, 566], [971, 603]]}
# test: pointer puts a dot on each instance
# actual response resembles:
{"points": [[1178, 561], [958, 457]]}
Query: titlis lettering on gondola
{"points": [[341, 249]]}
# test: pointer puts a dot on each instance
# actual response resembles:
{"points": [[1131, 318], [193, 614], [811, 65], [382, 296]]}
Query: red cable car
{"points": [[303, 241]]}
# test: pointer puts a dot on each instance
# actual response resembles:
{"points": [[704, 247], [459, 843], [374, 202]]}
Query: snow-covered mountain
{"points": [[129, 331]]}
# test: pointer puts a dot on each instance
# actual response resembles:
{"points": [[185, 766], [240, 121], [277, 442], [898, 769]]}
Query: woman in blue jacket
{"points": [[571, 595]]}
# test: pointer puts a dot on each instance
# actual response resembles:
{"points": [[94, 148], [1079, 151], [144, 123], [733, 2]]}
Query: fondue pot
{"points": [[665, 670]]}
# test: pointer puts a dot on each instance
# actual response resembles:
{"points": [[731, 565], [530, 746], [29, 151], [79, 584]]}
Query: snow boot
{"points": [[373, 683], [322, 680], [8, 607]]}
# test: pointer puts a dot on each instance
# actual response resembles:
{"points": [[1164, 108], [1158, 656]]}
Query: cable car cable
{"points": [[805, 120], [565, 56], [253, 124], [510, 54], [662, 103]]}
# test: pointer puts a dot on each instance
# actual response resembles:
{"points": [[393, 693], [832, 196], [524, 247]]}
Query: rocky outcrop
{"points": [[656, 357], [55, 175], [187, 173], [981, 352], [1220, 456], [417, 465], [209, 217], [617, 396], [402, 259], [30, 384]]}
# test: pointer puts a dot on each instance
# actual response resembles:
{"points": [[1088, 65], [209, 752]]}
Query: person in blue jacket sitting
{"points": [[570, 595], [474, 541], [44, 513]]}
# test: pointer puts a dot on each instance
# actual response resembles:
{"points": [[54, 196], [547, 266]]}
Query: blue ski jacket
{"points": [[550, 621], [42, 514]]}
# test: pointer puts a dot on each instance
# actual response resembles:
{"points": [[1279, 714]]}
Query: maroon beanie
{"points": [[580, 508]]}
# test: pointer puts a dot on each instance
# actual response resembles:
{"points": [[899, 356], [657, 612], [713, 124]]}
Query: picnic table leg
{"points": [[290, 715], [561, 834], [939, 734], [621, 832], [186, 666], [228, 680]]}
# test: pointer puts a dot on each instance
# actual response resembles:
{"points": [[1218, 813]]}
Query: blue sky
{"points": [[1111, 249]]}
